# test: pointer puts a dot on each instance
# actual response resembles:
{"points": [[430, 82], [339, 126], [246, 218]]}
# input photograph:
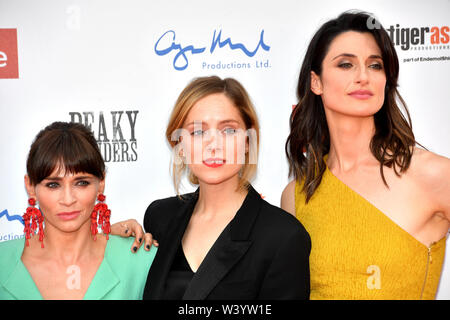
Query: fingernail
{"points": [[140, 240], [135, 249], [126, 231], [148, 247]]}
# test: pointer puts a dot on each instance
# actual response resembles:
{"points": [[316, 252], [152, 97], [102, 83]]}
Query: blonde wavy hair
{"points": [[197, 89]]}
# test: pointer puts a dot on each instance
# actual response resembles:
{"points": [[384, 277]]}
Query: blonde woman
{"points": [[222, 241]]}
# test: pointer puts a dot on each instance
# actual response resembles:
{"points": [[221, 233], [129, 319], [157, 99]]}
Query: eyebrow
{"points": [[350, 55], [228, 121], [220, 123], [59, 178]]}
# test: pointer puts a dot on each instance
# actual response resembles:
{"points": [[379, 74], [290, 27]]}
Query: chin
{"points": [[361, 110], [215, 180], [365, 107], [363, 114], [218, 177], [70, 226]]}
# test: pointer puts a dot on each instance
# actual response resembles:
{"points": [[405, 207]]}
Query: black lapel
{"points": [[159, 270], [228, 249]]}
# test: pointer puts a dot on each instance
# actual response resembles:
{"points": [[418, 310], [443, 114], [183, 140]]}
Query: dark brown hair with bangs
{"points": [[65, 146]]}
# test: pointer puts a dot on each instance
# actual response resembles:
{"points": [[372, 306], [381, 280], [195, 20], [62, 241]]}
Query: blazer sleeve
{"points": [[288, 275], [151, 219]]}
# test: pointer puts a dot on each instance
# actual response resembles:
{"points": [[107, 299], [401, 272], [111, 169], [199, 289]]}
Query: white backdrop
{"points": [[97, 60]]}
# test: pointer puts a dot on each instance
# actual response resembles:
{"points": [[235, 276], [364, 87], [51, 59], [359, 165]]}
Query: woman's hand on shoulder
{"points": [[288, 198], [132, 228]]}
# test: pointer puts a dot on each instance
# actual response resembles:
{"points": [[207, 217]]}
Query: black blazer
{"points": [[263, 253]]}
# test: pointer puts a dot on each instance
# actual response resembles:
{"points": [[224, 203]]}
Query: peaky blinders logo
{"points": [[115, 132]]}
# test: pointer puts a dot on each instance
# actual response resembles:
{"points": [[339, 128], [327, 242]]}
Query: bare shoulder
{"points": [[288, 198], [430, 167], [432, 172]]}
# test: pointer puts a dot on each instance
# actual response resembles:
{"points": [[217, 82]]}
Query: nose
{"points": [[214, 141], [67, 197], [362, 77]]}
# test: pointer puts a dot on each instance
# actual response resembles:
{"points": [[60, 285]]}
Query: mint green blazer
{"points": [[121, 275]]}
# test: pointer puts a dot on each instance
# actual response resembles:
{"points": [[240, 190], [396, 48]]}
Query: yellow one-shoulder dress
{"points": [[359, 253]]}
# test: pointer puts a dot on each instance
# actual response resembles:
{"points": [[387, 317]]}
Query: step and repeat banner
{"points": [[118, 67]]}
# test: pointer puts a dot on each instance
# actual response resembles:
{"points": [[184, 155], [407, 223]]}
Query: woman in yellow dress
{"points": [[377, 207]]}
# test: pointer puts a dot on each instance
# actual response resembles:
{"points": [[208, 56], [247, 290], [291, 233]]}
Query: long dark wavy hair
{"points": [[309, 138]]}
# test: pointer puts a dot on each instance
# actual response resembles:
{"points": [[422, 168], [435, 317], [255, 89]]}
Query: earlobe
{"points": [[29, 187], [316, 84], [101, 188]]}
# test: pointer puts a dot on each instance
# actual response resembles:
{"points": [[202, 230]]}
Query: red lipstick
{"points": [[214, 162]]}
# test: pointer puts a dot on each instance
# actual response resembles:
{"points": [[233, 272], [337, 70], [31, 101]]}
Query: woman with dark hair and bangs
{"points": [[68, 259], [376, 206]]}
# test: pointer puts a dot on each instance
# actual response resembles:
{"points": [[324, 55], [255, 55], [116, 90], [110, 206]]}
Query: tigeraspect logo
{"points": [[168, 42], [408, 38], [416, 38]]}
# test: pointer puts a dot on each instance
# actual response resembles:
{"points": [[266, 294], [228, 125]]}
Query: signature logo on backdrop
{"points": [[10, 218], [168, 43]]}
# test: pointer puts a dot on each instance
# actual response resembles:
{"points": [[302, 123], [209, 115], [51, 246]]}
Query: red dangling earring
{"points": [[35, 215], [101, 209]]}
